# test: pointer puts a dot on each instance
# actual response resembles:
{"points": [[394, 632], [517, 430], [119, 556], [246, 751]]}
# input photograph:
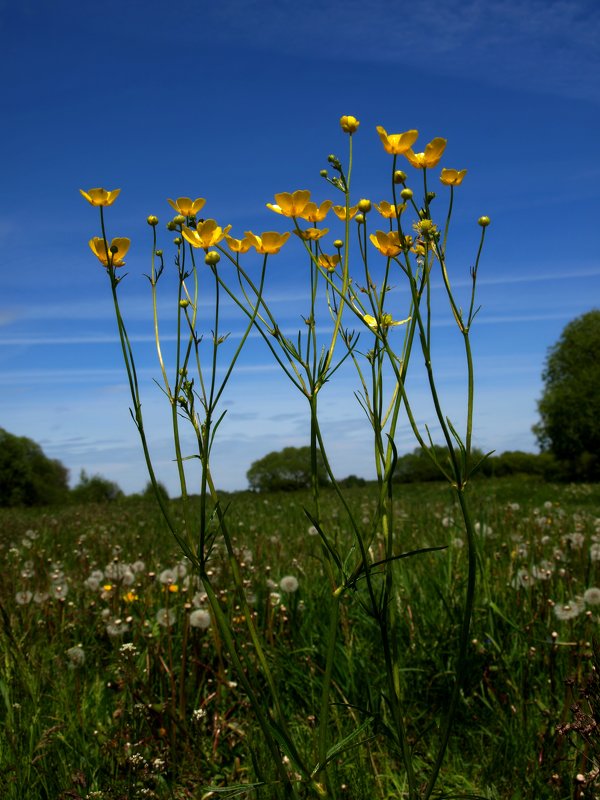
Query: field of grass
{"points": [[114, 682]]}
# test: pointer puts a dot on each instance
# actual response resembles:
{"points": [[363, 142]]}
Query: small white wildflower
{"points": [[568, 610], [116, 628], [275, 598], [312, 531], [128, 649], [76, 656], [200, 619], [23, 598], [198, 714], [166, 617], [289, 584], [592, 596], [167, 576]]}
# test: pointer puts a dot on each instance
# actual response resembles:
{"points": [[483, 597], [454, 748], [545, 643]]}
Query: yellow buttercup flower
{"points": [[329, 262], [312, 234], [186, 206], [207, 234], [268, 243], [290, 204], [397, 143], [101, 197], [314, 213], [389, 210], [349, 124], [430, 157], [340, 211], [117, 250], [452, 177], [388, 244], [238, 245], [385, 322]]}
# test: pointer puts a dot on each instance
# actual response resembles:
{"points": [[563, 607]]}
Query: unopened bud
{"points": [[332, 159], [184, 304], [399, 176], [152, 220], [171, 225], [177, 240], [212, 258], [406, 194], [359, 218], [429, 197], [159, 253], [364, 206], [179, 219], [484, 221], [323, 173], [338, 244]]}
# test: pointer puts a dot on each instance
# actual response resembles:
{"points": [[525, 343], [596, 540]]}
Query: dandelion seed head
{"points": [[166, 617], [200, 619], [289, 584]]}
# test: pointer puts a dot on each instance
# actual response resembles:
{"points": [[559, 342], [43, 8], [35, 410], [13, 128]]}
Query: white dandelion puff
{"points": [[199, 618], [289, 584], [166, 617]]}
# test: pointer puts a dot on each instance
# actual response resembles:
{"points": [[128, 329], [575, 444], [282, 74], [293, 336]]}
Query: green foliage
{"points": [[517, 462], [570, 404], [95, 490], [27, 476], [285, 471]]}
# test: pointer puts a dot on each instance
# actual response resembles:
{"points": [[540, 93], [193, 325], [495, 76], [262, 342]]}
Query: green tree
{"points": [[285, 470], [27, 476], [95, 489], [569, 408]]}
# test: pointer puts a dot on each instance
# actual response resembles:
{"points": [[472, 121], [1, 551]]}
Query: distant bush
{"points": [[95, 490], [517, 462], [352, 482], [285, 470], [149, 491], [27, 476]]}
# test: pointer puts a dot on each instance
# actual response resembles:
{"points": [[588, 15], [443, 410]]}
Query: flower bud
{"points": [[323, 173], [177, 240], [171, 225], [184, 304], [399, 176], [359, 218], [484, 221], [152, 220], [179, 219], [349, 124], [159, 253], [429, 197], [212, 258], [364, 206], [406, 194], [338, 244], [332, 159]]}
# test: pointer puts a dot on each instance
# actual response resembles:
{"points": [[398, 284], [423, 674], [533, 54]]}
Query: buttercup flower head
{"points": [[268, 243], [207, 234], [452, 177], [329, 262], [186, 206], [389, 210], [349, 124], [117, 250], [386, 321], [311, 234], [290, 204], [388, 244], [238, 245], [101, 197], [314, 213], [430, 156], [397, 143], [340, 212]]}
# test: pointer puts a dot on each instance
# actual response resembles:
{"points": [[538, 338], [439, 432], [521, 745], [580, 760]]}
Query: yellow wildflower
{"points": [[389, 210], [238, 245], [452, 177], [349, 124], [430, 157], [329, 262], [340, 212], [268, 243], [388, 244], [314, 213], [117, 250], [130, 597], [173, 588], [290, 204], [312, 234], [397, 143], [207, 234], [386, 321], [186, 206], [101, 197]]}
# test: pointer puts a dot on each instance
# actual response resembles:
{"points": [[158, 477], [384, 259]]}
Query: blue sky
{"points": [[241, 100]]}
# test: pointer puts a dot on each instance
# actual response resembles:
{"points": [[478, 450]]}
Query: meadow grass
{"points": [[114, 682]]}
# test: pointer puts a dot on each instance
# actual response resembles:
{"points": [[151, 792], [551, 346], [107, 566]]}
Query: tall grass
{"points": [[101, 698]]}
